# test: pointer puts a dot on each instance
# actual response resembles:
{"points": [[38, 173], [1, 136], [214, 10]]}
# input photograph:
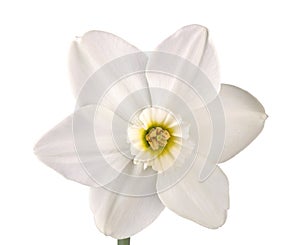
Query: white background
{"points": [[258, 43]]}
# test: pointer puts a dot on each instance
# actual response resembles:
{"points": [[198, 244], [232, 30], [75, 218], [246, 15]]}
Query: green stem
{"points": [[125, 241]]}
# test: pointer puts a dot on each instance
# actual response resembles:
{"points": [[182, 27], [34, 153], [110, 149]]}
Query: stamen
{"points": [[157, 138]]}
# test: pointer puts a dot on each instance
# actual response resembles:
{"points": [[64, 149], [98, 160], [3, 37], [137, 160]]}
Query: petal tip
{"points": [[195, 26], [37, 148], [221, 222]]}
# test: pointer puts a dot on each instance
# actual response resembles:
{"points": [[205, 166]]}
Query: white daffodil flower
{"points": [[150, 129]]}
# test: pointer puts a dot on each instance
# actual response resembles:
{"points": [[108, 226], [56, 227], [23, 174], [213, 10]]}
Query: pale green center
{"points": [[157, 138]]}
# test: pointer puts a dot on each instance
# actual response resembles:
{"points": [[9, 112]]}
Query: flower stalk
{"points": [[125, 241]]}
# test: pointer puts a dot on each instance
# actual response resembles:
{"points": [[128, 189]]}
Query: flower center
{"points": [[157, 138]]}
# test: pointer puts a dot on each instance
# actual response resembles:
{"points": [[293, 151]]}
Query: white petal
{"points": [[123, 215], [205, 203], [57, 150], [244, 119], [91, 52], [190, 43], [70, 150]]}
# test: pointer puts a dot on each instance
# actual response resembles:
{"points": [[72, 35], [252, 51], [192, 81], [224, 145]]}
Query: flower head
{"points": [[150, 129]]}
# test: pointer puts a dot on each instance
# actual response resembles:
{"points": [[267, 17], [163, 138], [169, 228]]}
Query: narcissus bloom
{"points": [[150, 129]]}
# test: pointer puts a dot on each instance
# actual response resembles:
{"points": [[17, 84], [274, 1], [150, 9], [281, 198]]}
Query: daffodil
{"points": [[150, 129]]}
